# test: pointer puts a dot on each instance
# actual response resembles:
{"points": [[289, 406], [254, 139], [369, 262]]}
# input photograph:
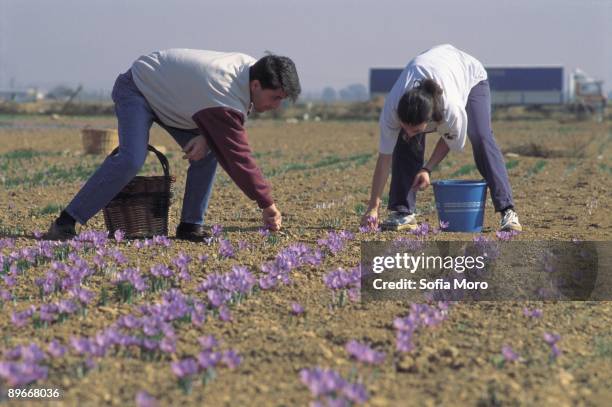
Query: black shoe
{"points": [[191, 232], [60, 232]]}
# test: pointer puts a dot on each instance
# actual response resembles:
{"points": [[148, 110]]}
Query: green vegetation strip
{"points": [[538, 167], [511, 164]]}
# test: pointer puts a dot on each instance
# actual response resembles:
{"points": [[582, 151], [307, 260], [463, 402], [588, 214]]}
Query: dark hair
{"points": [[421, 104], [276, 72]]}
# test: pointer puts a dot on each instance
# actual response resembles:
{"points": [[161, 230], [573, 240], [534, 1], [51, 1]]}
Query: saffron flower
{"points": [[534, 313], [55, 349], [144, 399], [119, 235], [226, 250], [185, 368], [208, 342], [297, 309], [506, 235], [335, 241], [551, 339], [216, 230], [333, 387], [363, 353], [370, 225], [231, 359], [509, 354]]}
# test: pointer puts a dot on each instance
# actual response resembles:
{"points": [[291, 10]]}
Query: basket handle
{"points": [[160, 156]]}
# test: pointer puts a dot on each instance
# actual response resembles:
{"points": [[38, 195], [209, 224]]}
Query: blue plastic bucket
{"points": [[461, 203]]}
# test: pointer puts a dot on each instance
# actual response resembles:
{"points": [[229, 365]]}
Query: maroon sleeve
{"points": [[224, 131]]}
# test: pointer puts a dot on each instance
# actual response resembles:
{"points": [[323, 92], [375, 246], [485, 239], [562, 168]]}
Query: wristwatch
{"points": [[425, 169]]}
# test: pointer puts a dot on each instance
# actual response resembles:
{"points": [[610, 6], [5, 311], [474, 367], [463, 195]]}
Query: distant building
{"points": [[20, 95]]}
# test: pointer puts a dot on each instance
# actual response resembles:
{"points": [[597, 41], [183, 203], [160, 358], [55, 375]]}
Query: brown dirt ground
{"points": [[321, 174]]}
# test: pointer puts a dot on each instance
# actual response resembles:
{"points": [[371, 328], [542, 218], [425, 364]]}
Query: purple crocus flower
{"points": [[80, 345], [509, 354], [355, 392], [370, 225], [144, 399], [208, 359], [321, 382], [551, 338], [226, 250], [5, 295], [161, 241], [19, 374], [167, 345], [216, 230], [231, 359], [335, 242], [66, 307], [55, 349], [224, 314], [9, 280], [20, 319], [208, 342], [422, 230], [185, 367], [264, 232], [119, 235], [48, 312], [161, 270], [82, 295], [203, 258], [506, 235], [534, 313], [32, 353], [364, 353], [297, 309]]}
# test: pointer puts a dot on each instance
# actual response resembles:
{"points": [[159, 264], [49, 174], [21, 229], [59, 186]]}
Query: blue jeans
{"points": [[408, 157], [135, 118]]}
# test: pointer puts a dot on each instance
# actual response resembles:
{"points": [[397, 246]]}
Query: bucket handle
{"points": [[160, 156]]}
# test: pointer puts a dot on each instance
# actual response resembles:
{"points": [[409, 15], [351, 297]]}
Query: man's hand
{"points": [[272, 217], [421, 181], [196, 148], [370, 218]]}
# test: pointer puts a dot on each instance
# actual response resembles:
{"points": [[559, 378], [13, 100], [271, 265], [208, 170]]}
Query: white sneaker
{"points": [[399, 221], [510, 221]]}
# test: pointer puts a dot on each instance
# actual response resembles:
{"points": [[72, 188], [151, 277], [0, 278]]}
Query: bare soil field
{"points": [[484, 354]]}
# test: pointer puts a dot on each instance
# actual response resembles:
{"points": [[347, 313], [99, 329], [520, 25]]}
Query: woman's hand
{"points": [[421, 181], [370, 218]]}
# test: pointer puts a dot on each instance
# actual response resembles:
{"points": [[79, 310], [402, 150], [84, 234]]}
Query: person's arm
{"points": [[423, 178], [379, 180], [226, 137]]}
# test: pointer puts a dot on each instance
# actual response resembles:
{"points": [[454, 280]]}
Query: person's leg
{"points": [[408, 158], [199, 183], [488, 156], [134, 117]]}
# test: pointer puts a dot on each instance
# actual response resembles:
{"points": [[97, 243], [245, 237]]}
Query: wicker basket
{"points": [[99, 141], [141, 208]]}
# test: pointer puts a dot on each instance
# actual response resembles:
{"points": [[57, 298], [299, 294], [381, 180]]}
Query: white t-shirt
{"points": [[456, 73]]}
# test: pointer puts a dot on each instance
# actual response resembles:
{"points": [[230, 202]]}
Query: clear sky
{"points": [[333, 42]]}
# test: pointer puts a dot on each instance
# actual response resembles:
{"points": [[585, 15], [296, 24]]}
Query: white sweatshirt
{"points": [[456, 73]]}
